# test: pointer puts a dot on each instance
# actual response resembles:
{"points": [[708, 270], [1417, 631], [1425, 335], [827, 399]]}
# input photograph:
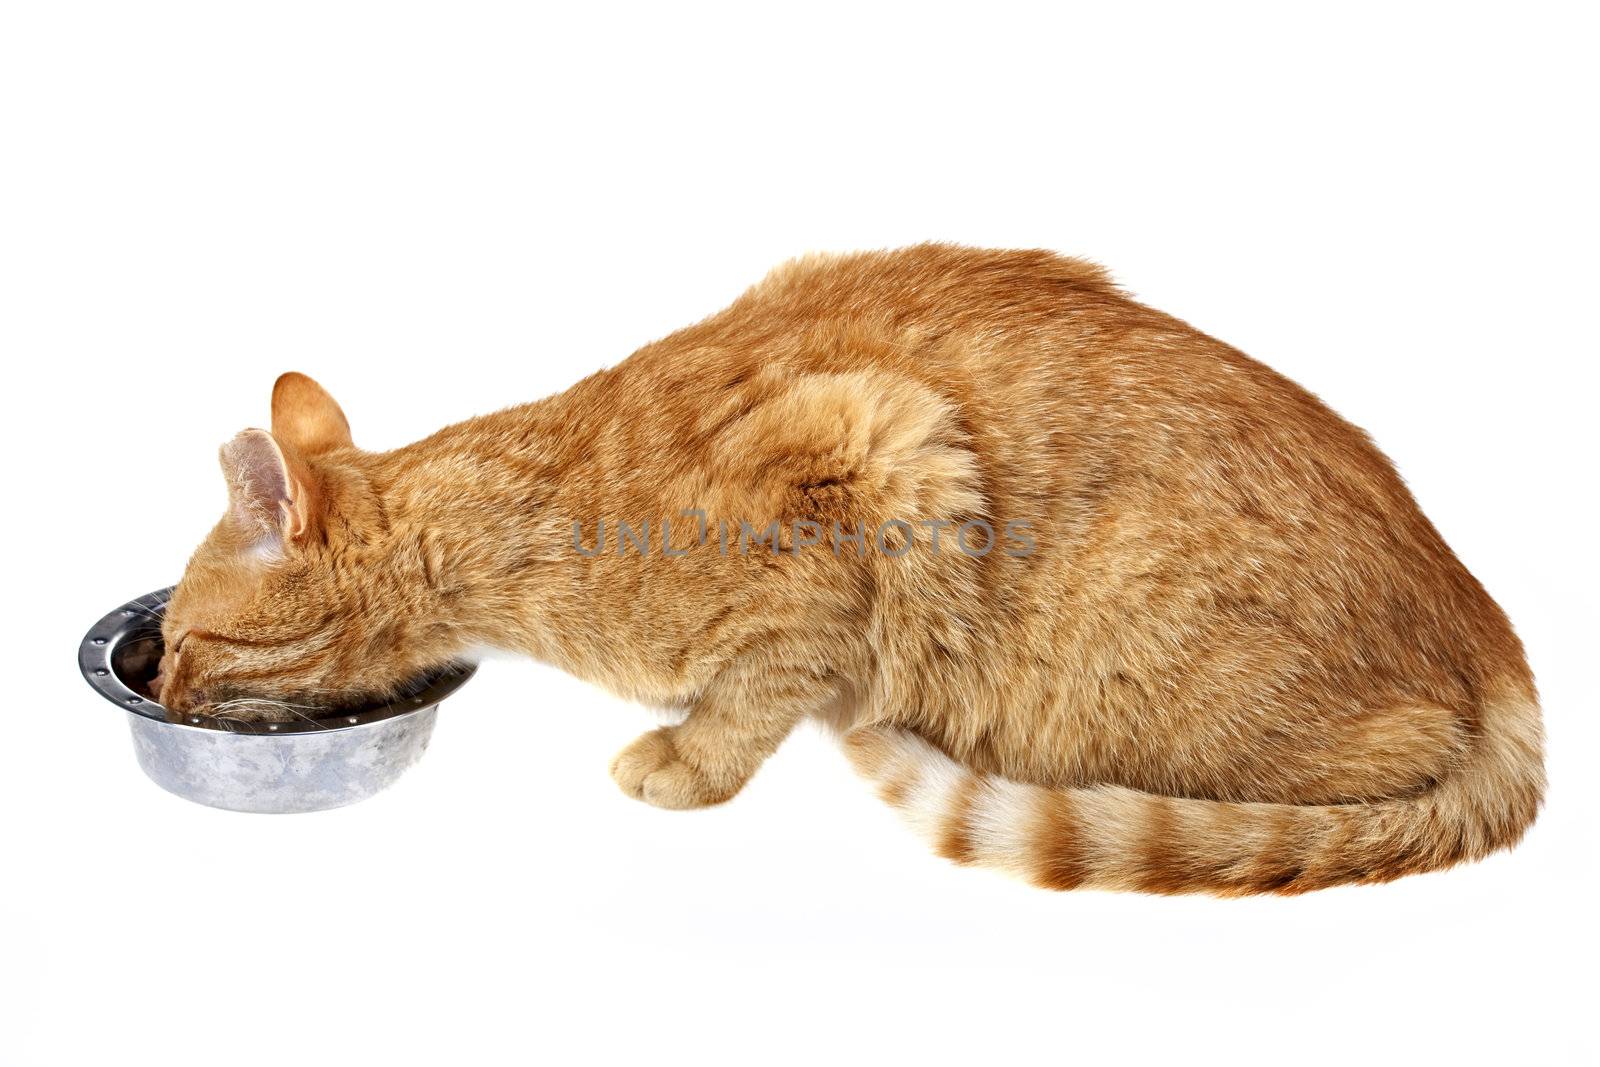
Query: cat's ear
{"points": [[305, 417], [270, 495]]}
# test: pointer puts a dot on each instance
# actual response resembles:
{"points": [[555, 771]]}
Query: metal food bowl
{"points": [[305, 765]]}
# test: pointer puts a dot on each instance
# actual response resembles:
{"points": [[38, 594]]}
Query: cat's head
{"points": [[288, 599]]}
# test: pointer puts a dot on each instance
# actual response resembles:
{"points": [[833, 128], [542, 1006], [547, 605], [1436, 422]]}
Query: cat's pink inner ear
{"points": [[305, 417], [264, 496]]}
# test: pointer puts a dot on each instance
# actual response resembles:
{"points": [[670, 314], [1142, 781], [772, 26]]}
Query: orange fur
{"points": [[1238, 658]]}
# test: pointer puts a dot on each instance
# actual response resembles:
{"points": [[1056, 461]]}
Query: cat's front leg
{"points": [[731, 729], [651, 770]]}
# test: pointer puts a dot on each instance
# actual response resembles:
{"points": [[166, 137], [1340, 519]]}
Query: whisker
{"points": [[267, 705], [144, 613], [307, 718], [269, 701]]}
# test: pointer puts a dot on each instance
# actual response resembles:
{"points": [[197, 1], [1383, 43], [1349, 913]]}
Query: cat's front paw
{"points": [[651, 770]]}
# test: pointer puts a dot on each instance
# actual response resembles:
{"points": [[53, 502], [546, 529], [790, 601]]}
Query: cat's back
{"points": [[930, 286], [1060, 386], [1026, 332]]}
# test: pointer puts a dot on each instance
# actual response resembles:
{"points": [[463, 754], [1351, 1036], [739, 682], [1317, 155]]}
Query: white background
{"points": [[441, 210]]}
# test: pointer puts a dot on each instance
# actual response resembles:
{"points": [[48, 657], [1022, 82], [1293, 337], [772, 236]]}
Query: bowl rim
{"points": [[141, 616]]}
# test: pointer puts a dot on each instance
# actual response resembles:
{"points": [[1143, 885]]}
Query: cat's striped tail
{"points": [[1107, 837]]}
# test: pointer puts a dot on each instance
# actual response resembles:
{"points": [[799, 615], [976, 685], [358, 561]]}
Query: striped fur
{"points": [[1109, 837]]}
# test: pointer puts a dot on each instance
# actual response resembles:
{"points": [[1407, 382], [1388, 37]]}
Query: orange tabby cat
{"points": [[1185, 630]]}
